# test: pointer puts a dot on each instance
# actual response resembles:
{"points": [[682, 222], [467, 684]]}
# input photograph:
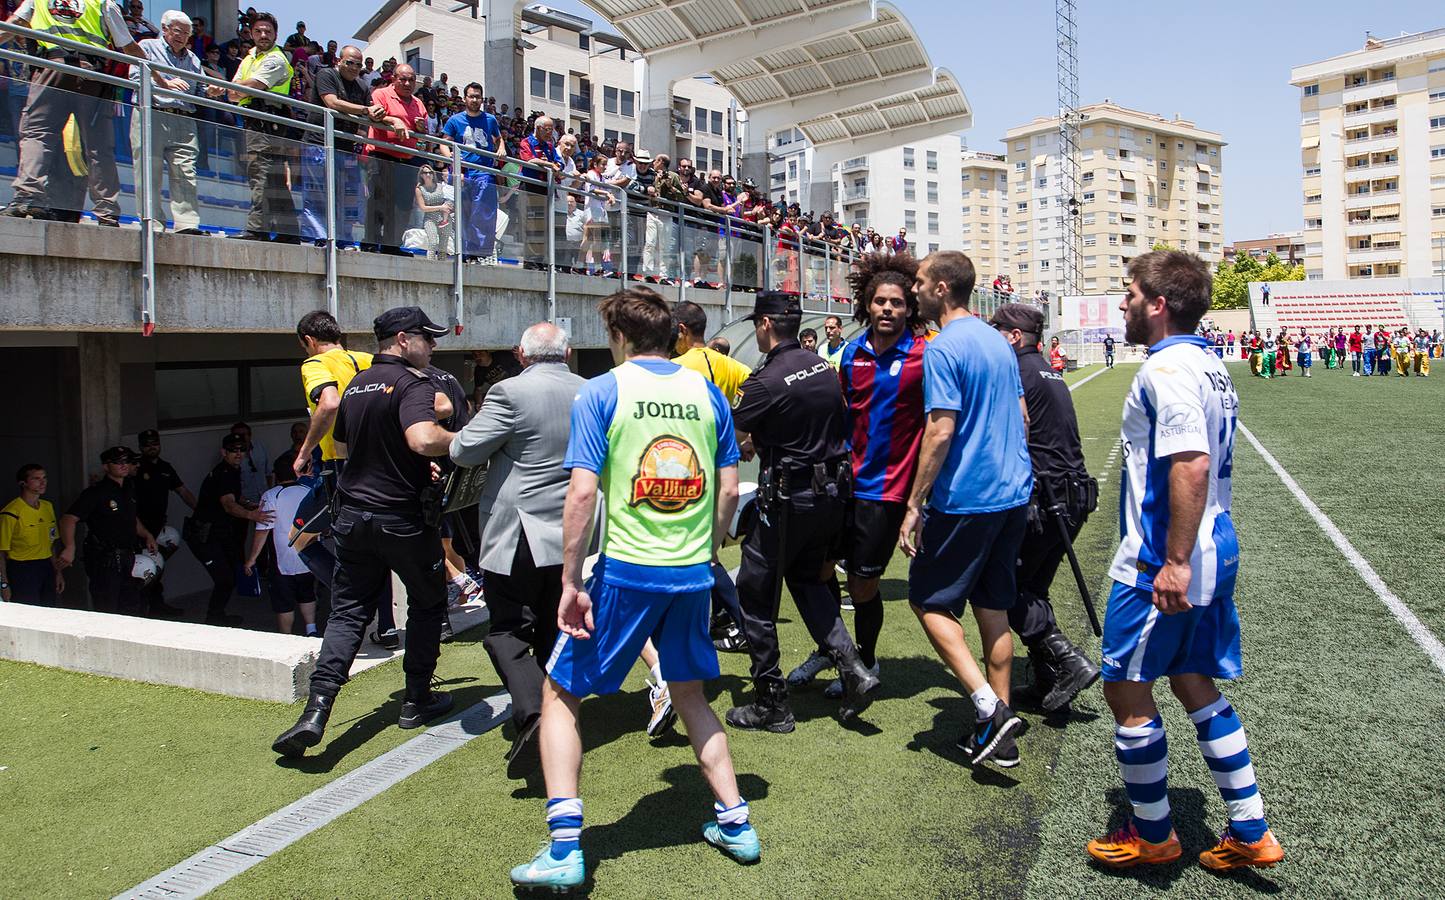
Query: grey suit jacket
{"points": [[522, 431]]}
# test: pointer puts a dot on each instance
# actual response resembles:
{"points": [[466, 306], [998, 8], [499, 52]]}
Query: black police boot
{"points": [[420, 708], [1074, 671], [1043, 675], [308, 729], [769, 712], [858, 683]]}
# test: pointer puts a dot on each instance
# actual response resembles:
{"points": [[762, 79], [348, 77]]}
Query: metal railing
{"points": [[529, 216]]}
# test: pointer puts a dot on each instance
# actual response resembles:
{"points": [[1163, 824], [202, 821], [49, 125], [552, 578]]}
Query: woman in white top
{"points": [[599, 200]]}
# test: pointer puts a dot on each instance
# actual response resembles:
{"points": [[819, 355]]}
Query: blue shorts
{"points": [[624, 620], [1143, 644], [967, 557]]}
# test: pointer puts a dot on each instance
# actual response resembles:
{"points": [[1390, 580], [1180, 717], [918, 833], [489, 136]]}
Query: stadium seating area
{"points": [[1318, 306]]}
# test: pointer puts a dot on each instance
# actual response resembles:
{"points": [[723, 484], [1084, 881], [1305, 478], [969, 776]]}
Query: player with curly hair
{"points": [[881, 374]]}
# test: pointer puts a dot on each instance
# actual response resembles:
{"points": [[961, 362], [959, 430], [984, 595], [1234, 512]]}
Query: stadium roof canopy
{"points": [[840, 69]]}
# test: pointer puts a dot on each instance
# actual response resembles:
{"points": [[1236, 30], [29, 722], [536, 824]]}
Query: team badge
{"points": [[114, 507], [669, 477]]}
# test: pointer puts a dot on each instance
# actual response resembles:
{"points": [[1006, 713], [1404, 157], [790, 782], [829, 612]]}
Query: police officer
{"points": [[154, 481], [112, 532], [1062, 490], [387, 511], [215, 532], [793, 411]]}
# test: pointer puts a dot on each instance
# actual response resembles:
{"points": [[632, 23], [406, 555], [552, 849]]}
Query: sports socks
{"points": [[564, 822], [657, 678], [733, 820], [867, 625], [1226, 752], [985, 701], [1143, 755]]}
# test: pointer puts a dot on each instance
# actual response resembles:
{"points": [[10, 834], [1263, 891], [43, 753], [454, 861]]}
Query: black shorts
{"points": [[289, 590], [967, 558], [870, 543]]}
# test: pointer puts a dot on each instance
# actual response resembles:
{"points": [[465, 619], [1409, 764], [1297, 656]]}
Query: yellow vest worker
{"points": [[333, 368], [85, 28], [249, 65], [724, 371]]}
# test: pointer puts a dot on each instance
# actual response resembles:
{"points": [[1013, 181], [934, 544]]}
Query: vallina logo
{"points": [[669, 476]]}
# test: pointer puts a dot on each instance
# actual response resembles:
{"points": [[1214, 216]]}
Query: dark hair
{"points": [[266, 17], [1182, 279], [642, 318], [321, 325], [692, 316], [785, 327], [24, 471], [876, 269], [807, 333], [283, 472], [956, 270], [477, 86]]}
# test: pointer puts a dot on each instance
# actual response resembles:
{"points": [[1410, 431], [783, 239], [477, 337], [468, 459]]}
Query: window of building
{"points": [[1041, 182], [628, 104], [221, 392], [1437, 152], [1043, 265], [1088, 196], [932, 192], [967, 210], [910, 219], [792, 170], [556, 87], [933, 223], [1438, 212], [967, 228], [910, 190], [1091, 240], [1022, 146], [701, 160], [1437, 65], [967, 194], [609, 99], [629, 138], [717, 159], [931, 160], [1437, 122], [1041, 140], [908, 161], [1022, 207], [611, 134], [716, 119], [1437, 95], [1021, 166], [968, 177], [1023, 266], [539, 83], [699, 119], [1312, 90]]}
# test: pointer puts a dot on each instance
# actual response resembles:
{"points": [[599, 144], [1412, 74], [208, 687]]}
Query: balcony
{"points": [[856, 164], [1375, 90], [1374, 143], [580, 103], [856, 195], [681, 126], [1372, 226], [1372, 116], [1374, 255], [1363, 201]]}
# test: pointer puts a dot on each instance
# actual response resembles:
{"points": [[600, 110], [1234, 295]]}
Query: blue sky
{"points": [[1227, 70]]}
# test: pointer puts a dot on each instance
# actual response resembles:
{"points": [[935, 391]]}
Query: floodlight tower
{"points": [[1066, 59]]}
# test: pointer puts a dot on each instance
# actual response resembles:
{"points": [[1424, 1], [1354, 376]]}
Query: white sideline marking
{"points": [[1412, 625], [1083, 381]]}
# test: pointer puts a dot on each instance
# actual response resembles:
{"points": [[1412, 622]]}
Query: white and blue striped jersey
{"points": [[1181, 401]]}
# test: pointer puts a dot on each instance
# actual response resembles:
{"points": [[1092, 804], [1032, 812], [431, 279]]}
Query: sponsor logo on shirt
{"points": [[1177, 419], [651, 409], [669, 477]]}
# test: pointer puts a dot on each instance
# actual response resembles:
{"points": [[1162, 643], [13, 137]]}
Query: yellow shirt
{"points": [[334, 368], [724, 371], [26, 533]]}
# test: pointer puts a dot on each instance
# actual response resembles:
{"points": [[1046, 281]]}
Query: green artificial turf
{"points": [[115, 781]]}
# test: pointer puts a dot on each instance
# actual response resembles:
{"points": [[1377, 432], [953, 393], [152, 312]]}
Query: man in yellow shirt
{"points": [[27, 543], [693, 353], [328, 369]]}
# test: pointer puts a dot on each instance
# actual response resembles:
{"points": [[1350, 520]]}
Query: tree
{"points": [[1231, 283], [1162, 245], [1231, 291]]}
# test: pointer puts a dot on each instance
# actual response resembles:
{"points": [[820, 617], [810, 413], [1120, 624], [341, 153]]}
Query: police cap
{"points": [[115, 454], [1023, 316], [149, 436], [405, 318], [775, 303], [233, 442]]}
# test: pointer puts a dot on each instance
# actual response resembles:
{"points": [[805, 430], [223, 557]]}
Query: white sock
{"points": [[310, 630], [657, 676], [985, 701]]}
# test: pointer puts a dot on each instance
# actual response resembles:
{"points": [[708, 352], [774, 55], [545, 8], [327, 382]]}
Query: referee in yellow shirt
{"points": [[27, 540], [328, 369]]}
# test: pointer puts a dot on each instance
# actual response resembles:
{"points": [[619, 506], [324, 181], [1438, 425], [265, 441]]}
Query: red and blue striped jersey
{"points": [[884, 395]]}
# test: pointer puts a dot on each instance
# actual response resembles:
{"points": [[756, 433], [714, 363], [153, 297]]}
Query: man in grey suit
{"points": [[522, 431]]}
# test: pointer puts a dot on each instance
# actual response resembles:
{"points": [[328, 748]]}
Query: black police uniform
{"points": [[379, 526], [1062, 487], [154, 482], [109, 513], [793, 409], [215, 537]]}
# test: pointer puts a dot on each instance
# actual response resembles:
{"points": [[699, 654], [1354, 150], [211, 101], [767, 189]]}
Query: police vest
{"points": [[661, 460], [78, 20], [249, 64]]}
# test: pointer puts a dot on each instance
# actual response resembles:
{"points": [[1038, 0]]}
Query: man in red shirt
{"points": [[1357, 347], [391, 176]]}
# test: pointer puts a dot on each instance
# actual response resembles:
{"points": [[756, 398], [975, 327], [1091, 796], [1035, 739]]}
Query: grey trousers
{"points": [[173, 142]]}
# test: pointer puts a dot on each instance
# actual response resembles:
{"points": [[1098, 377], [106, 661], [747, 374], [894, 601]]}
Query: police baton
{"points": [[778, 478], [1058, 514]]}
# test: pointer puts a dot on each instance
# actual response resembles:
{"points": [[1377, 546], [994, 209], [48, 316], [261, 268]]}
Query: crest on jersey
{"points": [[66, 9], [669, 476]]}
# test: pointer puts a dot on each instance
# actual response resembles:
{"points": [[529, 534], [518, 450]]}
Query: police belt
{"points": [[787, 477], [105, 555], [1075, 493]]}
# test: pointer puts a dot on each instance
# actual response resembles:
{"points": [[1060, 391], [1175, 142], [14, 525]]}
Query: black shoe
{"points": [[732, 641], [980, 744], [108, 223], [286, 239], [308, 729], [1072, 672], [194, 231], [416, 713], [1043, 676], [769, 712], [525, 755], [858, 682], [387, 640], [250, 236], [1006, 754], [224, 620]]}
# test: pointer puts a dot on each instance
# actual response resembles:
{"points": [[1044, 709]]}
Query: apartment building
{"points": [[589, 81], [1372, 148], [1143, 179], [1289, 246], [983, 181]]}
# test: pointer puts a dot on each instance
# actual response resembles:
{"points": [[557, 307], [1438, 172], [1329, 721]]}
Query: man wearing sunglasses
{"points": [[383, 523]]}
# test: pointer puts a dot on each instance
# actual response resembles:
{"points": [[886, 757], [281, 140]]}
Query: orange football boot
{"points": [[1232, 853], [1124, 848]]}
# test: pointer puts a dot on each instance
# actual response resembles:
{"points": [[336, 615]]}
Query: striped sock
{"points": [[733, 820], [1143, 755], [564, 821], [1226, 752]]}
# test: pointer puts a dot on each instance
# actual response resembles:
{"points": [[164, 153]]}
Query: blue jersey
{"points": [[884, 397], [480, 131], [971, 370]]}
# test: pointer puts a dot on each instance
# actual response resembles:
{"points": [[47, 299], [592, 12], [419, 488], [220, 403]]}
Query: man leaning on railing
{"points": [[343, 90], [173, 126], [49, 183]]}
